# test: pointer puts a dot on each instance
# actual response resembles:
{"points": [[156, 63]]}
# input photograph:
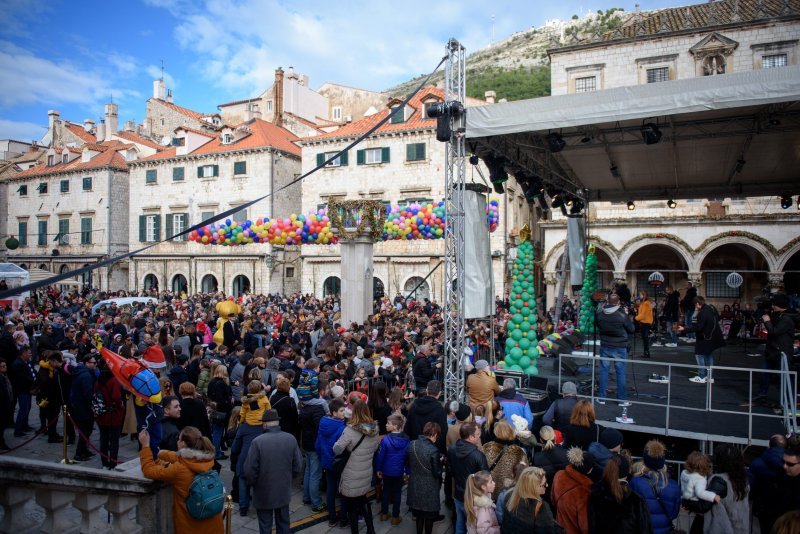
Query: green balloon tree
{"points": [[522, 353], [586, 321]]}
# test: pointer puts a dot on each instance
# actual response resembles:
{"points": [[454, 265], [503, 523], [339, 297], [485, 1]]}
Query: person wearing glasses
{"points": [[85, 375]]}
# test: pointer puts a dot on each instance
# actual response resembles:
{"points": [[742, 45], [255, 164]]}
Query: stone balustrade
{"points": [[80, 499]]}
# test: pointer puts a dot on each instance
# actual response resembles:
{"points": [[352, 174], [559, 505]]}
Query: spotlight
{"points": [[614, 170], [443, 112], [473, 159], [631, 205], [557, 200], [651, 134], [786, 201], [739, 165], [798, 202], [671, 204], [497, 172], [555, 142]]}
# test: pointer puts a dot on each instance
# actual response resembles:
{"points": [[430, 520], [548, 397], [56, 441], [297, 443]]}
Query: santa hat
{"points": [[153, 357]]}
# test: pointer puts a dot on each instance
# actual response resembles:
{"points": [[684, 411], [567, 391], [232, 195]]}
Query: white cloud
{"points": [[21, 131]]}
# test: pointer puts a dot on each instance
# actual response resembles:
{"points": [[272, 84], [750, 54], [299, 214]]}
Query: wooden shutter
{"points": [[157, 233], [411, 152], [360, 156], [169, 218], [142, 228], [320, 159], [385, 154], [200, 171], [216, 170], [185, 217], [343, 158]]}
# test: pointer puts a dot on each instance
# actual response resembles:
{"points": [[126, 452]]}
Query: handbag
{"points": [[341, 459]]}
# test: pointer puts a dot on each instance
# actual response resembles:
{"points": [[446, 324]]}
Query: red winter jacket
{"points": [[112, 395]]}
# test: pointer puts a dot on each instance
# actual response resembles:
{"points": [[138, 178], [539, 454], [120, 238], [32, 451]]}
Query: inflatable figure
{"points": [[224, 309], [134, 376]]}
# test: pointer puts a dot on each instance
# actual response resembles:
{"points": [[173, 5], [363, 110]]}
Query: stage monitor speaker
{"points": [[569, 367], [537, 382]]}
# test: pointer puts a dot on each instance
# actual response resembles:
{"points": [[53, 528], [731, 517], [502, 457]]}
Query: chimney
{"points": [[52, 121], [490, 96], [169, 96], [278, 96], [111, 121], [88, 125], [130, 126], [101, 131], [636, 9], [159, 89]]}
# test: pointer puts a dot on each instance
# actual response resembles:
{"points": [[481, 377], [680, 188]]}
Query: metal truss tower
{"points": [[454, 249]]}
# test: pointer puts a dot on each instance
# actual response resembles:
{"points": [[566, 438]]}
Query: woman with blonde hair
{"points": [[581, 430], [524, 509], [503, 454], [221, 394], [478, 504], [552, 458], [645, 318]]}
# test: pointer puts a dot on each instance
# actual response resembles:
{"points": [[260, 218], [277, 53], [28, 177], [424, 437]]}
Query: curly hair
{"points": [[728, 459]]}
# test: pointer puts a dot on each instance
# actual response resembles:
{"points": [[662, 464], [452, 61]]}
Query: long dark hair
{"points": [[611, 478], [728, 459], [377, 397]]}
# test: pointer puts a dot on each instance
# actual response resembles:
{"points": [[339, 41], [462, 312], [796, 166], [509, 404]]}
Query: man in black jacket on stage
{"points": [[613, 328]]}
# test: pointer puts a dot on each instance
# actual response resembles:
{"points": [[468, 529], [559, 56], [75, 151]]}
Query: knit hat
{"points": [[580, 460], [337, 392], [610, 438], [153, 357], [463, 412], [654, 455], [569, 388], [308, 387], [481, 365]]}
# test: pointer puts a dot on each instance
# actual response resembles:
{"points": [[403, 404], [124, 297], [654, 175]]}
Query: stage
{"points": [[708, 412]]}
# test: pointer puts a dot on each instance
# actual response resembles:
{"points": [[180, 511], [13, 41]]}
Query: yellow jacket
{"points": [[253, 407], [645, 313]]}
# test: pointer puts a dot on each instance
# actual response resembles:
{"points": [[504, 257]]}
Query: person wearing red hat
{"points": [[154, 358]]}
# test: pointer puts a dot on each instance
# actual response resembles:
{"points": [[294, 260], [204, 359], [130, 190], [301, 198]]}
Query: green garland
{"points": [[372, 215]]}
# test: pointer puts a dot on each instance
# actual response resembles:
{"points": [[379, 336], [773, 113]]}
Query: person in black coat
{"points": [[230, 333], [8, 347], [709, 338], [193, 411], [6, 403], [422, 370], [178, 374], [613, 507], [23, 378], [688, 305], [552, 458], [780, 326], [221, 394], [672, 316], [170, 423], [282, 401], [465, 459], [428, 409], [81, 404]]}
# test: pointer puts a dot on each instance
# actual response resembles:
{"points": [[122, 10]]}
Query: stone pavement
{"points": [[302, 518]]}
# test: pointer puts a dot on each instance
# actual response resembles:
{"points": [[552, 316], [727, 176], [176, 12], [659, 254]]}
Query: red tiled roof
{"points": [[235, 102], [108, 158], [207, 133], [301, 120], [415, 122], [136, 138], [262, 134], [196, 115], [78, 131]]}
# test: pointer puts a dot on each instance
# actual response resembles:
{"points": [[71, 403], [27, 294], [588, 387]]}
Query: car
{"points": [[122, 301]]}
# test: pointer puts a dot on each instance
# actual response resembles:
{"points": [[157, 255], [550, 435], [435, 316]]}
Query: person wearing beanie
{"points": [[780, 326], [571, 490], [613, 507], [609, 444], [481, 385], [558, 414], [513, 403], [662, 495]]}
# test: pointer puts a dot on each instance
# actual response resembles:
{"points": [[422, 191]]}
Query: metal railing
{"points": [[788, 393]]}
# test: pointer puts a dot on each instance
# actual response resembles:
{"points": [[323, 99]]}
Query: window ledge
{"points": [[416, 161]]}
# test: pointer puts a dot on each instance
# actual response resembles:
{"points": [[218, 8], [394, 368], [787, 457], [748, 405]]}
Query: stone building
{"points": [[701, 240], [203, 173], [401, 163], [162, 115]]}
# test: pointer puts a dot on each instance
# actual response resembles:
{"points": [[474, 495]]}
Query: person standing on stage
{"points": [[671, 314], [687, 303], [613, 329], [645, 316], [709, 339]]}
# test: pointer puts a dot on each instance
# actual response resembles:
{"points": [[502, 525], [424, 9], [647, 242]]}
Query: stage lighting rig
{"points": [[631, 205], [555, 142], [651, 134], [447, 115], [497, 172], [671, 204]]}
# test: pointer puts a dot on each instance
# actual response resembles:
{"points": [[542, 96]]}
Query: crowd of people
{"points": [[357, 410]]}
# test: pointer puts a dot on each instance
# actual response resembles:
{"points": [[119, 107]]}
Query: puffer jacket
{"points": [[311, 413], [330, 430], [485, 517], [391, 459], [81, 394], [357, 475], [464, 459], [661, 517], [613, 326], [515, 404], [601, 455]]}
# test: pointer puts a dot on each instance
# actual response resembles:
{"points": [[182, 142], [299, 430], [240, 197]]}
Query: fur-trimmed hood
{"points": [[482, 501], [368, 429], [196, 461]]}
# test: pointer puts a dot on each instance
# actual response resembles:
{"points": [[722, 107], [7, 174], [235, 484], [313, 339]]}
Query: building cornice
{"points": [[693, 220], [353, 137], [212, 155]]}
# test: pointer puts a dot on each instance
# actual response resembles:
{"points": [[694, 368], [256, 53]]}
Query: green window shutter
{"points": [[200, 171], [320, 159], [185, 217], [360, 157], [240, 167], [151, 176], [86, 231], [23, 234], [415, 151], [216, 170], [177, 174], [343, 158], [169, 217], [410, 152], [142, 228], [397, 118], [63, 226], [158, 228], [385, 154]]}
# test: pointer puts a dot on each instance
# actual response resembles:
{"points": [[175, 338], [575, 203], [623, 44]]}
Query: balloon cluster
{"points": [[522, 350], [586, 321], [415, 221], [314, 228]]}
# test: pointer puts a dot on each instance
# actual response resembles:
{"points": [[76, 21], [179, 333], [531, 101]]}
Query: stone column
{"points": [[120, 507], [89, 505], [13, 500], [550, 282], [55, 504], [696, 279], [775, 281], [620, 277], [357, 270]]}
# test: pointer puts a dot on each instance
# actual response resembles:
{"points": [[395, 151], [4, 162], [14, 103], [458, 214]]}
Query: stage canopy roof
{"points": [[730, 135]]}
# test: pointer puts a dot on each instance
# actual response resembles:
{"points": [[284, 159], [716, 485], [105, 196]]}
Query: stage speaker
{"points": [[569, 366]]}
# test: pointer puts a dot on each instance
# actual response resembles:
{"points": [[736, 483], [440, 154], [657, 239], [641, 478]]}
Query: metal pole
{"points": [[64, 459], [228, 513]]}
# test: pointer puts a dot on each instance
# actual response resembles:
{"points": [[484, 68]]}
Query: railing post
{"points": [[13, 500], [120, 506], [669, 396], [55, 504], [89, 504]]}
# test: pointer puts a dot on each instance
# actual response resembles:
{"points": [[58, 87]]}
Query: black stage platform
{"points": [[706, 412]]}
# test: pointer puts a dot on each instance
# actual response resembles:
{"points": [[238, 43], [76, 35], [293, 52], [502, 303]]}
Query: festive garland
{"points": [[415, 221]]}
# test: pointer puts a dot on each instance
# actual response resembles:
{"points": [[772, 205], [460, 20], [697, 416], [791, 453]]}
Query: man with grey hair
{"points": [[558, 413], [481, 385], [513, 403], [273, 456]]}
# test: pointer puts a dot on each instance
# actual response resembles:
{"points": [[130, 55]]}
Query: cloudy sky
{"points": [[75, 56]]}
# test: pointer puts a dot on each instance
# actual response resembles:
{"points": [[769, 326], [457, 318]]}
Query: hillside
{"points": [[518, 67]]}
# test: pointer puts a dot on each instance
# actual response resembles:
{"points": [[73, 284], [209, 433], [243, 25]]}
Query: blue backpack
{"points": [[206, 495]]}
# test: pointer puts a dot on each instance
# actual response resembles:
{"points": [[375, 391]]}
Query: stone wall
{"points": [[157, 112], [351, 101]]}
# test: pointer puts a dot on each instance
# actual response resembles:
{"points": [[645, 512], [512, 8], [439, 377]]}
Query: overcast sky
{"points": [[74, 56]]}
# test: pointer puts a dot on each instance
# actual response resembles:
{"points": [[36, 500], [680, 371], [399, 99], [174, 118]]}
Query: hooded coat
{"points": [[178, 470], [607, 516], [464, 459], [515, 404], [81, 394], [423, 410], [613, 326], [485, 517], [708, 332], [357, 475], [571, 490], [329, 431], [391, 458], [661, 517]]}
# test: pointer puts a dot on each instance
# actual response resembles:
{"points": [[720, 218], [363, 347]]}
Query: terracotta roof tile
{"points": [[78, 131], [196, 115], [136, 138], [110, 157], [301, 120], [207, 133]]}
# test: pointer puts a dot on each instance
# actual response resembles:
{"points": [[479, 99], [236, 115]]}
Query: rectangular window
{"points": [[151, 176], [177, 174], [239, 216], [340, 161], [207, 171], [227, 139], [206, 215], [239, 167], [152, 228], [42, 233], [65, 186], [290, 272], [770, 62], [269, 105], [86, 230], [87, 183], [176, 223], [63, 230], [23, 190], [415, 152], [398, 117], [370, 156], [586, 84], [659, 74], [42, 188], [336, 113], [51, 160], [22, 229], [178, 141], [717, 287]]}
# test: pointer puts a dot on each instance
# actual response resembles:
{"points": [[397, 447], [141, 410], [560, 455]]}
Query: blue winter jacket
{"points": [[82, 392], [330, 429], [515, 404], [245, 435], [391, 459], [661, 514]]}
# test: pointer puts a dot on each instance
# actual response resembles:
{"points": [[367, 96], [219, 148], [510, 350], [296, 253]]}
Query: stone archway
{"points": [[150, 282], [240, 284], [332, 286], [651, 257], [209, 284], [605, 267], [791, 278], [179, 284], [422, 292], [721, 260]]}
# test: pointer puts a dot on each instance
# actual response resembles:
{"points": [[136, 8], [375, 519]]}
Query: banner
{"points": [[478, 288], [576, 241]]}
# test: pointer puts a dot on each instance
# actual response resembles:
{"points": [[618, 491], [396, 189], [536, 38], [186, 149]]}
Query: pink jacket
{"points": [[486, 522]]}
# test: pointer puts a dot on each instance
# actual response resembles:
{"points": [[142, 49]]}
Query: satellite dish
{"points": [[166, 140]]}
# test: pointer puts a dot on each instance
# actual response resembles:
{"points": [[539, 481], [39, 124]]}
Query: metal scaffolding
{"points": [[454, 249]]}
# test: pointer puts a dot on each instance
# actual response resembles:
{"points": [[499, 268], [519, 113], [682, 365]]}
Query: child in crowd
{"points": [[390, 465], [693, 484], [254, 404], [481, 514]]}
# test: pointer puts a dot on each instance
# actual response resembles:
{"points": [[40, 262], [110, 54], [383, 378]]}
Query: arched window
{"points": [[179, 284], [150, 282], [240, 284], [422, 292], [209, 284], [86, 278], [378, 291], [43, 267], [332, 286], [23, 266]]}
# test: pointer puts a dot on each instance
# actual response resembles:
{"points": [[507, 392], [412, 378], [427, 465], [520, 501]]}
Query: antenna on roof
{"points": [[162, 70]]}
